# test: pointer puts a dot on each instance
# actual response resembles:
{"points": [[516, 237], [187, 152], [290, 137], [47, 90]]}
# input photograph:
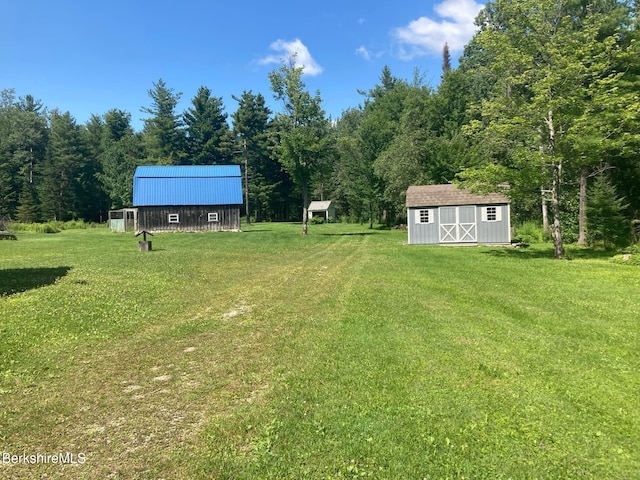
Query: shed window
{"points": [[424, 215], [491, 214], [213, 216], [174, 218]]}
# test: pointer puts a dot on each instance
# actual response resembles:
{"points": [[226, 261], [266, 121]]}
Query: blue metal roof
{"points": [[167, 171], [187, 185]]}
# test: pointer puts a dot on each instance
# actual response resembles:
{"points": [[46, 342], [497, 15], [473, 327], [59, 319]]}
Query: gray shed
{"points": [[448, 215], [322, 209]]}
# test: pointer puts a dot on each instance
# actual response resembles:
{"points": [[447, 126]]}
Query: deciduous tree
{"points": [[302, 129], [549, 59]]}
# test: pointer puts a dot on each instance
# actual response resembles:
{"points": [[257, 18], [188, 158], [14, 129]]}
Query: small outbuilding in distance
{"points": [[322, 209], [448, 215], [189, 198]]}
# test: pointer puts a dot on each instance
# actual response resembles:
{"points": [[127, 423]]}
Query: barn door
{"points": [[448, 224], [458, 224], [467, 224]]}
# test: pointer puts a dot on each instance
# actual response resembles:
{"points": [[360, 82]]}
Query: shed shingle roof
{"points": [[449, 195]]}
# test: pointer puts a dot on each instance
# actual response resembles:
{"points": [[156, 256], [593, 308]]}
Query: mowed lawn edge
{"points": [[345, 354]]}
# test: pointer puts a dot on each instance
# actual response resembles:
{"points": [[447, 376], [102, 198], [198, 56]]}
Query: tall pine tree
{"points": [[252, 132], [61, 190], [209, 139], [163, 132]]}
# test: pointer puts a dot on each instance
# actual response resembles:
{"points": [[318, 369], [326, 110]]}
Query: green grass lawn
{"points": [[343, 354]]}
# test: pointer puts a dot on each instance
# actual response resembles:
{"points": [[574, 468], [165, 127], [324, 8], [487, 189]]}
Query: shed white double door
{"points": [[458, 224]]}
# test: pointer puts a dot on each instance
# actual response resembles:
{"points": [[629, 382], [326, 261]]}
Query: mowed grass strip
{"points": [[345, 354]]}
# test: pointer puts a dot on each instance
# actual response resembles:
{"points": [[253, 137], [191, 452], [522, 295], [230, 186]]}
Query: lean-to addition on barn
{"points": [[190, 198], [445, 214]]}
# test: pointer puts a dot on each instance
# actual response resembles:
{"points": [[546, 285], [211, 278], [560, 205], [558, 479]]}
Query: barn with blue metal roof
{"points": [[187, 198]]}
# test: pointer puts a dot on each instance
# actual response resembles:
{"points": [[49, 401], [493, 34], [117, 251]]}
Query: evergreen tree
{"points": [[209, 140], [61, 191], [268, 183], [163, 132], [607, 223], [93, 133], [27, 211], [446, 59], [117, 126], [23, 138], [119, 161], [7, 168], [122, 152]]}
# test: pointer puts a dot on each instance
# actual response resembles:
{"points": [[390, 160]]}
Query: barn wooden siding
{"points": [[191, 218]]}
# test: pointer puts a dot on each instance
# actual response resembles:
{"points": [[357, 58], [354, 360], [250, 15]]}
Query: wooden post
{"points": [[144, 245]]}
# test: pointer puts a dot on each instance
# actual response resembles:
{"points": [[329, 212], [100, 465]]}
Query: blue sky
{"points": [[90, 56]]}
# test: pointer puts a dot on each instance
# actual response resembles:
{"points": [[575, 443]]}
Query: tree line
{"points": [[545, 100]]}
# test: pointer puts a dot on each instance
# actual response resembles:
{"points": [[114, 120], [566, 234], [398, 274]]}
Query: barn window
{"points": [[424, 216], [491, 214], [213, 216], [174, 218]]}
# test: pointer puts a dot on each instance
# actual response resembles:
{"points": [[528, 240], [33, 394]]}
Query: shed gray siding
{"points": [[446, 228], [497, 232], [422, 233]]}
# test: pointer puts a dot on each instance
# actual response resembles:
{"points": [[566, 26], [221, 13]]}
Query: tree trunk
{"points": [[582, 208], [556, 173], [370, 215], [305, 205], [556, 229], [246, 183], [545, 212]]}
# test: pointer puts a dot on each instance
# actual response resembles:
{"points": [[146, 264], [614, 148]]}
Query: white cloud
{"points": [[295, 49], [363, 52], [425, 36]]}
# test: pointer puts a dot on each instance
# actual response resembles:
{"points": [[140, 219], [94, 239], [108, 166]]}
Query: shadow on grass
{"points": [[17, 280], [349, 234], [546, 251]]}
